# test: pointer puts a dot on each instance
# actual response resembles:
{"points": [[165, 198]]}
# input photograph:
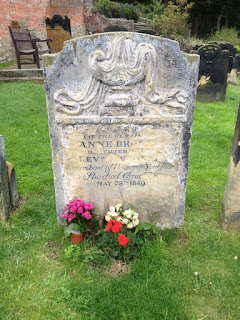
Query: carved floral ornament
{"points": [[123, 77]]}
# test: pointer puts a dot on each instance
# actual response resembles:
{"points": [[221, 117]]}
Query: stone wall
{"points": [[34, 12], [131, 25]]}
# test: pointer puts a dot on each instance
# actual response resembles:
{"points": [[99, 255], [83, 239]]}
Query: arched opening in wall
{"points": [[59, 30]]}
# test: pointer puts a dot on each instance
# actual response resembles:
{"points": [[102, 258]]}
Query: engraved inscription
{"points": [[121, 156]]}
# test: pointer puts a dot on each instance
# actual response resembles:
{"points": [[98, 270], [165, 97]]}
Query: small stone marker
{"points": [[12, 185], [120, 109], [232, 76], [213, 71], [230, 214], [4, 191]]}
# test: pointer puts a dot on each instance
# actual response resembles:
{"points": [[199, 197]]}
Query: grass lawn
{"points": [[7, 64], [38, 282]]}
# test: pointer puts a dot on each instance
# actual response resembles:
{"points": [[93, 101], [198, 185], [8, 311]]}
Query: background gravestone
{"points": [[59, 30], [230, 48], [230, 214], [4, 191], [12, 185], [232, 77], [213, 71], [120, 108]]}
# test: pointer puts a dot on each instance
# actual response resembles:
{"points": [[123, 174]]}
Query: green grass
{"points": [[37, 282], [7, 64]]}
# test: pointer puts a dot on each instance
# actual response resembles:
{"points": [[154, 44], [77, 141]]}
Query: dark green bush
{"points": [[112, 9], [226, 35], [115, 9], [108, 8], [131, 13]]}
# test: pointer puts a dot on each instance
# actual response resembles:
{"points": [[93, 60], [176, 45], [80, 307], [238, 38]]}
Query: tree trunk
{"points": [[219, 19], [195, 27], [226, 21]]}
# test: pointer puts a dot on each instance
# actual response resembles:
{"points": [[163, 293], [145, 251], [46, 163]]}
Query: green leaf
{"points": [[71, 227]]}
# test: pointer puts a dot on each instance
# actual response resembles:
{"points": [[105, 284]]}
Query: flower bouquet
{"points": [[128, 218], [119, 237], [79, 217]]}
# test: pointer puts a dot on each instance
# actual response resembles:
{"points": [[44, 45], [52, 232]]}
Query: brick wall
{"points": [[34, 12]]}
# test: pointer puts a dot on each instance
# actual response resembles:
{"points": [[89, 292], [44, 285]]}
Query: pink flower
{"points": [[80, 203], [65, 215], [87, 215], [71, 203], [80, 210], [65, 208], [71, 217], [73, 209], [88, 206]]}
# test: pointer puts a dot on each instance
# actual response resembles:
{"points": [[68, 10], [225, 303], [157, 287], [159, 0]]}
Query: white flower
{"points": [[135, 222], [119, 219], [125, 221], [112, 209], [196, 273], [130, 225], [114, 214], [118, 206], [127, 213], [107, 217], [235, 257], [135, 215]]}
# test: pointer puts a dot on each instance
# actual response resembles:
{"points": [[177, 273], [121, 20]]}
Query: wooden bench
{"points": [[25, 45]]}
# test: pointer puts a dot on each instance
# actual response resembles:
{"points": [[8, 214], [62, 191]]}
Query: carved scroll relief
{"points": [[123, 80]]}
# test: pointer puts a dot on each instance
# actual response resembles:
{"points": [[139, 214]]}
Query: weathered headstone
{"points": [[230, 214], [237, 59], [4, 191], [213, 71], [230, 48], [120, 109], [232, 76], [12, 185], [59, 30]]}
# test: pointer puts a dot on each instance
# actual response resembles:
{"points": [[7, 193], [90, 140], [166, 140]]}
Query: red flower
{"points": [[122, 240], [109, 226], [116, 226]]}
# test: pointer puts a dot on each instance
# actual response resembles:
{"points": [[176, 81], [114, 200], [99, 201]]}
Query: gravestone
{"points": [[213, 71], [120, 108], [4, 191], [229, 47], [12, 185], [230, 214], [232, 76], [59, 30], [237, 59]]}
